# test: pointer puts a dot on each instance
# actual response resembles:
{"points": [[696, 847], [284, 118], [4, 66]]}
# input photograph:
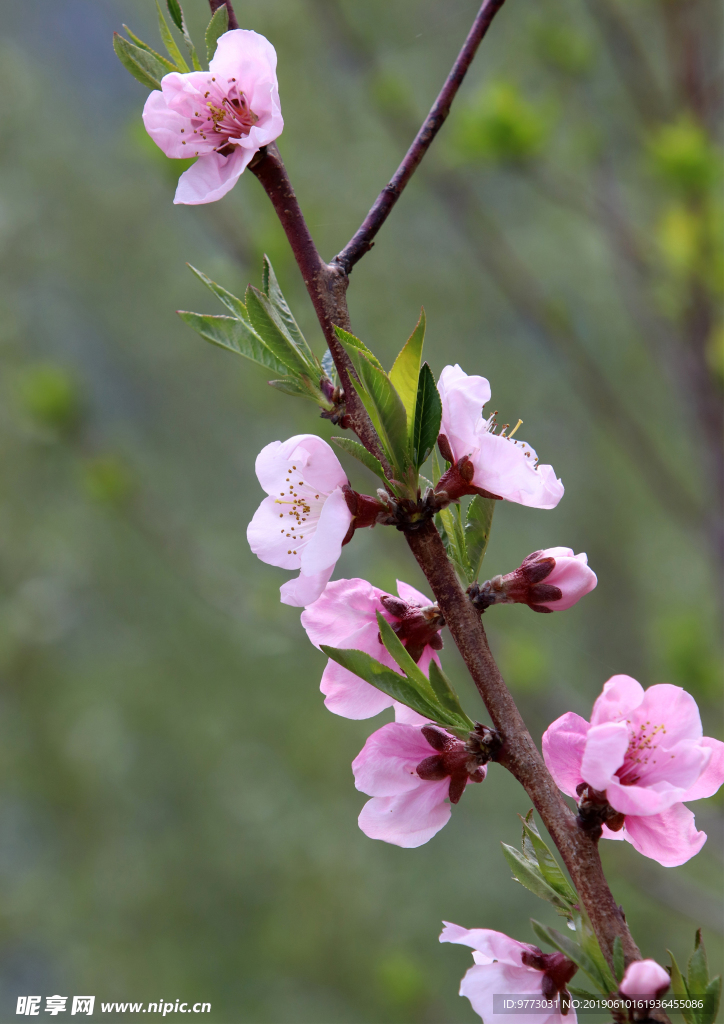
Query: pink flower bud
{"points": [[548, 581], [645, 978]]}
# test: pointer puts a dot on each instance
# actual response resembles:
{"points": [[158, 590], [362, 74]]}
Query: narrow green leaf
{"points": [[443, 690], [619, 964], [548, 864], [144, 67], [572, 950], [279, 306], [477, 532], [391, 413], [680, 990], [451, 521], [580, 993], [263, 321], [234, 305], [169, 42], [588, 942], [712, 998], [376, 674], [405, 372], [397, 650], [290, 386], [234, 335], [428, 414], [354, 346], [529, 876], [174, 9], [144, 46], [697, 974], [360, 452], [218, 25]]}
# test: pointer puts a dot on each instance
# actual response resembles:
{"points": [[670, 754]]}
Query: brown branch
{"points": [[216, 4], [362, 242]]}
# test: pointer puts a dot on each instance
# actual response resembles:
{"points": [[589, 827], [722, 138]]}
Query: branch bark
{"points": [[362, 242], [216, 4]]}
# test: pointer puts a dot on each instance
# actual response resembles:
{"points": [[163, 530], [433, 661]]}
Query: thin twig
{"points": [[361, 242]]}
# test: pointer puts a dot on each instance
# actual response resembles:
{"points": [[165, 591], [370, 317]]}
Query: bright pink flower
{"points": [[548, 581], [644, 978], [504, 966], [411, 771], [501, 466], [305, 520], [345, 616], [223, 116], [645, 753]]}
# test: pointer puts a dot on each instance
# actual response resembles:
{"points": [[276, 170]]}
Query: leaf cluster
{"points": [[263, 329], [434, 698], [696, 984], [148, 66]]}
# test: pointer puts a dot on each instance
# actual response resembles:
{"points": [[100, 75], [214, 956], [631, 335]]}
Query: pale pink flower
{"points": [[223, 116], [551, 580], [645, 753], [345, 616], [646, 979], [413, 772], [504, 966], [498, 466], [305, 520]]}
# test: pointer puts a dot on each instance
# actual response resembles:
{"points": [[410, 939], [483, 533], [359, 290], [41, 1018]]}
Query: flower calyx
{"points": [[523, 586], [594, 811], [417, 627], [557, 970], [457, 481], [462, 762]]}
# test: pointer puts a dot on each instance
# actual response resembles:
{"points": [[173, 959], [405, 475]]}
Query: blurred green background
{"points": [[177, 810]]}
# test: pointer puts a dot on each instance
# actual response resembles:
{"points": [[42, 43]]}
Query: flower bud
{"points": [[548, 581], [646, 979]]}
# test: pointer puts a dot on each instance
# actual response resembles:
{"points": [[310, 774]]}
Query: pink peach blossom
{"points": [[223, 116], [504, 966], [644, 751], [305, 520], [345, 616], [411, 771], [501, 466], [646, 979], [551, 580]]}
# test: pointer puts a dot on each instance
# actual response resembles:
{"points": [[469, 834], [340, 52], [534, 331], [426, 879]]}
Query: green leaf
{"points": [[234, 305], [406, 369], [443, 690], [360, 452], [234, 335], [697, 975], [389, 412], [452, 524], [144, 46], [290, 386], [354, 347], [580, 993], [174, 9], [477, 532], [572, 950], [263, 321], [281, 311], [397, 650], [547, 862], [680, 990], [218, 25], [619, 964], [376, 674], [142, 64], [712, 998], [589, 944], [428, 414], [530, 876], [169, 42]]}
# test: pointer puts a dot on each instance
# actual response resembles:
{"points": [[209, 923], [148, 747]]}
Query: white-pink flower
{"points": [[551, 580], [504, 966], [346, 616], [501, 466], [645, 979], [413, 771], [223, 116], [305, 520], [645, 753]]}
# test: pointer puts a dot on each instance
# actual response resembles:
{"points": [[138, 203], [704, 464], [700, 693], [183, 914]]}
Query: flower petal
{"points": [[670, 838], [672, 707], [572, 576], [349, 696], [304, 590], [325, 544], [211, 177], [645, 979], [412, 596], [606, 747], [463, 398], [713, 775], [344, 607], [492, 944], [386, 764], [171, 130], [507, 467], [266, 539], [482, 983], [409, 820], [621, 695], [563, 744]]}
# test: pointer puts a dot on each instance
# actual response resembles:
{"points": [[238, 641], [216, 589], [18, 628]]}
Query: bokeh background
{"points": [[177, 810]]}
